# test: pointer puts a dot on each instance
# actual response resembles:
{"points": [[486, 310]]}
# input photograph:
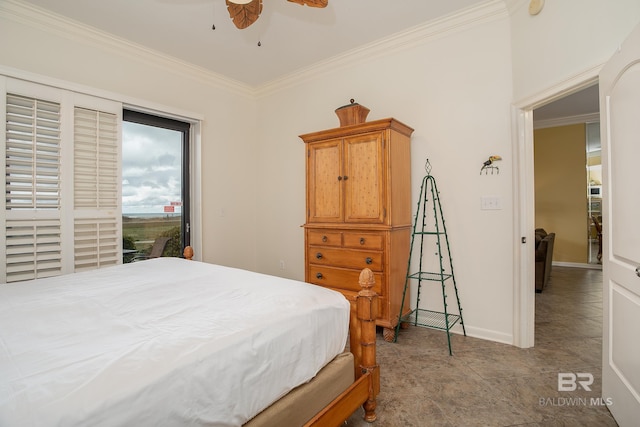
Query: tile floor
{"points": [[491, 384]]}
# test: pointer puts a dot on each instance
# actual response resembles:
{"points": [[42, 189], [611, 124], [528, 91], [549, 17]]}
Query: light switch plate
{"points": [[490, 203]]}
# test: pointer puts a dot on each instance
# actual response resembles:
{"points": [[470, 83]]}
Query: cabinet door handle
{"points": [[340, 178], [362, 240], [318, 275], [319, 255], [369, 260], [345, 177]]}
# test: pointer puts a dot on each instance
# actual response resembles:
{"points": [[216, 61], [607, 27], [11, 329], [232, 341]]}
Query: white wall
{"points": [[57, 50], [568, 38], [454, 89]]}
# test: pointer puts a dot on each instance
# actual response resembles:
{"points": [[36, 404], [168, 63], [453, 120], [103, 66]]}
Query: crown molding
{"points": [[571, 84], [566, 121], [488, 11], [48, 22]]}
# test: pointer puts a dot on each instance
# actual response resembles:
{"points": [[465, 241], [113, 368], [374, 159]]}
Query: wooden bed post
{"points": [[367, 313], [362, 342], [188, 253]]}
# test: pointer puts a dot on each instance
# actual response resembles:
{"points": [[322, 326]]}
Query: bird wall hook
{"points": [[488, 165]]}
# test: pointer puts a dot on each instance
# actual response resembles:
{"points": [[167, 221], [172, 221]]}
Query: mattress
{"points": [[161, 342]]}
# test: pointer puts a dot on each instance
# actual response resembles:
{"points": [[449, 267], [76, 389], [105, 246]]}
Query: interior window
{"points": [[155, 186]]}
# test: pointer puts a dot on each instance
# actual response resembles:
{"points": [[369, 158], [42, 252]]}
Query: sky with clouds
{"points": [[151, 168]]}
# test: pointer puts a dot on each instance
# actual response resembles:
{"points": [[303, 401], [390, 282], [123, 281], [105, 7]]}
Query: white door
{"points": [[620, 129]]}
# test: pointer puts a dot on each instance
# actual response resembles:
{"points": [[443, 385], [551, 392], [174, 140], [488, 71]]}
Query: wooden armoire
{"points": [[358, 197]]}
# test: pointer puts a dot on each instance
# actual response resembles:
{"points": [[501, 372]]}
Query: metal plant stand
{"points": [[430, 230]]}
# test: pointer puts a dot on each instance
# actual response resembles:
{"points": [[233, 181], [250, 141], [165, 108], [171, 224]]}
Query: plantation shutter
{"points": [[61, 211], [32, 188], [97, 236]]}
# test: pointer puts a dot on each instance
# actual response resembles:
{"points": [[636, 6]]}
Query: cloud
{"points": [[151, 168]]}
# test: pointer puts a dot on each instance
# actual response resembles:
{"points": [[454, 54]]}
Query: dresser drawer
{"points": [[363, 241], [347, 258], [324, 238], [340, 278]]}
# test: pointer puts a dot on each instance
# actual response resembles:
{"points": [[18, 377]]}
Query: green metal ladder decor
{"points": [[430, 268]]}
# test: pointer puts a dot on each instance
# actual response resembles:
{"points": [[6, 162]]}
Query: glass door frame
{"points": [[185, 128]]}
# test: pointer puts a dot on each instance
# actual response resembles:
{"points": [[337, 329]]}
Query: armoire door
{"points": [[324, 181], [364, 179]]}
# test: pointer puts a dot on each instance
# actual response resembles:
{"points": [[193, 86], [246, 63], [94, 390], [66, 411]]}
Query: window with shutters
{"points": [[61, 210], [32, 188], [96, 189]]}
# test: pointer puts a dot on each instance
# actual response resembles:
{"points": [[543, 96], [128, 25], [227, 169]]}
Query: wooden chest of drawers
{"points": [[358, 198], [359, 211], [336, 256]]}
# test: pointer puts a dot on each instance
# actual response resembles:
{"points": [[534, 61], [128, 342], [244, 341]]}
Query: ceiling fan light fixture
{"points": [[245, 12]]}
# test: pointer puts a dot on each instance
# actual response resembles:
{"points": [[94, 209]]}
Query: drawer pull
{"points": [[362, 240], [319, 255], [369, 260], [318, 275], [324, 239]]}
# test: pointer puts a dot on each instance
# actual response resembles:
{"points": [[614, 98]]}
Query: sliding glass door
{"points": [[155, 186]]}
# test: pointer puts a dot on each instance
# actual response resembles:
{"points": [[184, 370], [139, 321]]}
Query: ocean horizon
{"points": [[152, 215]]}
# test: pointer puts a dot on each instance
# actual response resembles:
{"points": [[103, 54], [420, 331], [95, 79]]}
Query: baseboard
{"points": [[485, 334], [577, 265]]}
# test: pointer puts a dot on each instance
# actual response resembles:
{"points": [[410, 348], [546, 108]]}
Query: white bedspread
{"points": [[163, 342]]}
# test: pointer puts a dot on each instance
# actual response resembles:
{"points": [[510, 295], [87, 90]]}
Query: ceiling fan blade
{"points": [[312, 3], [244, 15]]}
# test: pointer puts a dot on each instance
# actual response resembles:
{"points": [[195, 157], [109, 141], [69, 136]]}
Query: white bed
{"points": [[160, 342]]}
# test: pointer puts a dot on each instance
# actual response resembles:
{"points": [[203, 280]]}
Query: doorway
{"points": [[548, 106], [567, 175], [566, 165]]}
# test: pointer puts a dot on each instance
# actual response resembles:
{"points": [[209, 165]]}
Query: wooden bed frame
{"points": [[362, 344]]}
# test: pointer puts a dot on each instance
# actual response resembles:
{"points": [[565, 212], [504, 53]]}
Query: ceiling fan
{"points": [[246, 12]]}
